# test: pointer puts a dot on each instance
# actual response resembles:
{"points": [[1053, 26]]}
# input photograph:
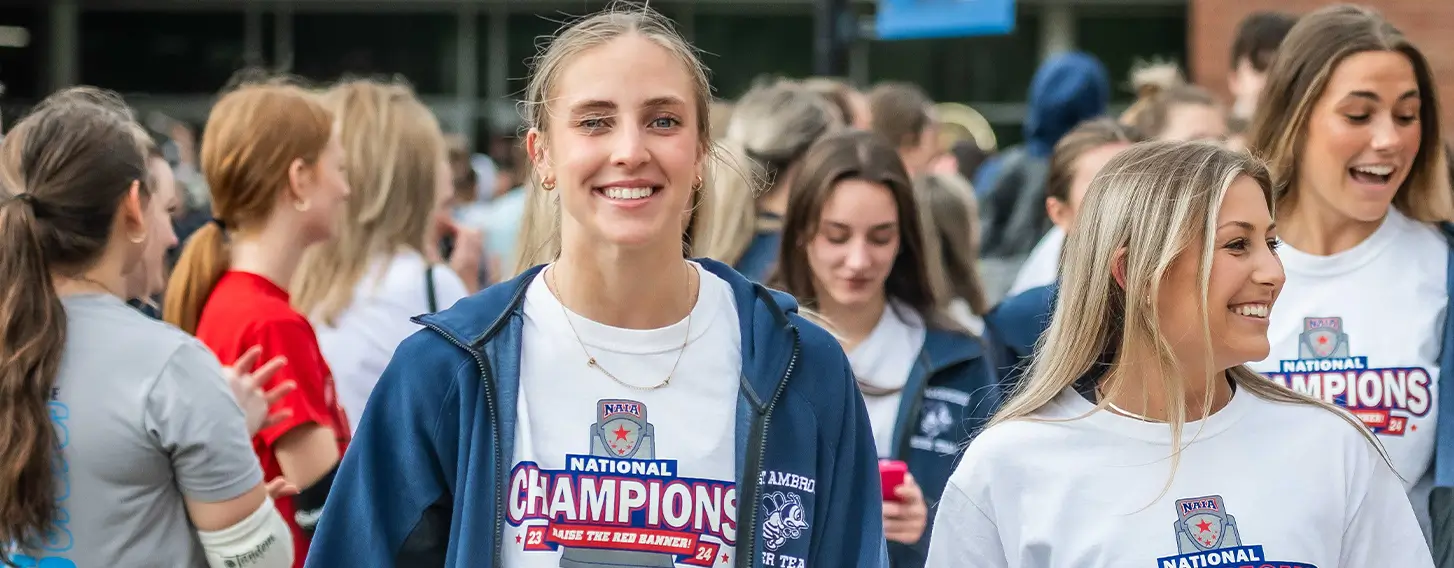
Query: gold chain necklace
{"points": [[591, 360]]}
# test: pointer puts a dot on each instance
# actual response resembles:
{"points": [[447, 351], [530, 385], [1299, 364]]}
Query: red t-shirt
{"points": [[247, 310]]}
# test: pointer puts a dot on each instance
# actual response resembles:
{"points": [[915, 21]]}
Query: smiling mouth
{"points": [[1373, 175], [628, 193], [1253, 310]]}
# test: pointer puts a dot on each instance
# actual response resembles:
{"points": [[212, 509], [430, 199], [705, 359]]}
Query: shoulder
{"points": [[1011, 450], [1020, 319], [106, 324]]}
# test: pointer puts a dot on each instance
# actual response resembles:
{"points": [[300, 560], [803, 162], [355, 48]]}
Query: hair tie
{"points": [[222, 225]]}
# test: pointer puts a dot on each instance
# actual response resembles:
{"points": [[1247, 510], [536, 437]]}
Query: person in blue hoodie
{"points": [[621, 405], [1067, 89], [855, 250]]}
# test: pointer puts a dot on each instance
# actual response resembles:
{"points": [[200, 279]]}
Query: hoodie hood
{"points": [[1068, 89]]}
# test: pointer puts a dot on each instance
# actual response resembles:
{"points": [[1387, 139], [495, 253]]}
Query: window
{"points": [[421, 47], [160, 52], [969, 69], [739, 48], [1129, 34]]}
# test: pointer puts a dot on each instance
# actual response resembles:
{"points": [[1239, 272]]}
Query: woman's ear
{"points": [[535, 148], [133, 212], [300, 175], [1118, 268]]}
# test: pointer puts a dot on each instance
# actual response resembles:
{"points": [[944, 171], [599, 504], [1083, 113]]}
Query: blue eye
{"points": [[665, 122]]}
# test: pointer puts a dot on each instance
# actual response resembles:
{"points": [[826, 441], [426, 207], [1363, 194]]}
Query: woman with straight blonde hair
{"points": [[361, 287], [1349, 123], [275, 167], [619, 405], [1140, 438], [771, 127], [951, 232]]}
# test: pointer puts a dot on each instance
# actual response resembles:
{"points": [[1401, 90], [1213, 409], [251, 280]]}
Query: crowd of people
{"points": [[1195, 334]]}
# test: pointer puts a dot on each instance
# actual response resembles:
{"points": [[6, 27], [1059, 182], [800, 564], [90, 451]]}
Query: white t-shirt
{"points": [[1043, 265], [614, 476], [883, 360], [1259, 484], [1369, 321], [359, 346]]}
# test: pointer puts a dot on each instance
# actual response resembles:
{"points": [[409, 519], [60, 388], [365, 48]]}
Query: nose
{"points": [[1386, 136], [858, 256], [629, 148], [1268, 272]]}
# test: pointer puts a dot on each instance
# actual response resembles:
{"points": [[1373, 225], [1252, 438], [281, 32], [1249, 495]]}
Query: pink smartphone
{"points": [[891, 475]]}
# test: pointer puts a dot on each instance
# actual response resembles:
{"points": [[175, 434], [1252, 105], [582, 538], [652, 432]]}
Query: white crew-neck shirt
{"points": [[363, 338], [1363, 329], [1259, 483], [883, 361], [605, 475]]}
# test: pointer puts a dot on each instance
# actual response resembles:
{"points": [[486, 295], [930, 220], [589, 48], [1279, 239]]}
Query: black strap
{"points": [[308, 503], [429, 289]]}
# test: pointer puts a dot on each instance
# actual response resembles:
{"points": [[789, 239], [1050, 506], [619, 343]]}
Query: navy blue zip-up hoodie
{"points": [[1014, 326], [950, 395], [422, 483]]}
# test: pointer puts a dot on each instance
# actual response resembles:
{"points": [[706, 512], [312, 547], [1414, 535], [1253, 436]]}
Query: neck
{"points": [[606, 285], [273, 253], [853, 323], [1319, 230], [104, 278], [1133, 386]]}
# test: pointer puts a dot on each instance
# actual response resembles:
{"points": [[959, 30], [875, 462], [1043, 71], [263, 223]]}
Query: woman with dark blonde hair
{"points": [[361, 287], [1140, 437], [1350, 125], [617, 404], [857, 252]]}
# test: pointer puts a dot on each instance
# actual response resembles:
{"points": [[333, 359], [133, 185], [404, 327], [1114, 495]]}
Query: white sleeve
{"points": [[1382, 529], [964, 536], [262, 540]]}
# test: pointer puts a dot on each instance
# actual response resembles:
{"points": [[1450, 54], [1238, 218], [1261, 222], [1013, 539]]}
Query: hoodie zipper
{"points": [[494, 432], [754, 464]]}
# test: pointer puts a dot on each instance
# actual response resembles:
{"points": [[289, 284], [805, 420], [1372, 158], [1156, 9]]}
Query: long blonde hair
{"points": [[1317, 44], [395, 150], [539, 239], [1155, 201], [951, 237], [772, 127]]}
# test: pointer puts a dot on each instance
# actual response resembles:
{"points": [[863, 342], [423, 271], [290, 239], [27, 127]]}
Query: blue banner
{"points": [[921, 19]]}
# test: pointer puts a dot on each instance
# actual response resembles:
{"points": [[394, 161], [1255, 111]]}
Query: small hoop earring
{"points": [[302, 206], [137, 240], [548, 184], [698, 184]]}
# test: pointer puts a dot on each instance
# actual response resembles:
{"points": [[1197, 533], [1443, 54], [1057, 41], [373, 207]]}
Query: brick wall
{"points": [[1212, 24]]}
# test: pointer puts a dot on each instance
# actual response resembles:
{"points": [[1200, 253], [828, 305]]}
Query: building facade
{"points": [[468, 58]]}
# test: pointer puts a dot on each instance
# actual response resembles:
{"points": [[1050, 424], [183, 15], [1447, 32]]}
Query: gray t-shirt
{"points": [[144, 417]]}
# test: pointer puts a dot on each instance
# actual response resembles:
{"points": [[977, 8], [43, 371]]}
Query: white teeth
{"points": [[1251, 310], [1375, 170], [628, 192]]}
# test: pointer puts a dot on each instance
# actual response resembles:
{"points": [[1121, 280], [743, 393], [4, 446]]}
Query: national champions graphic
{"points": [[1207, 535], [1385, 399], [620, 506]]}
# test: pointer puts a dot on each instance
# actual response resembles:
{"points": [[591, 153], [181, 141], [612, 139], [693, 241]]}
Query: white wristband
{"points": [[262, 540]]}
